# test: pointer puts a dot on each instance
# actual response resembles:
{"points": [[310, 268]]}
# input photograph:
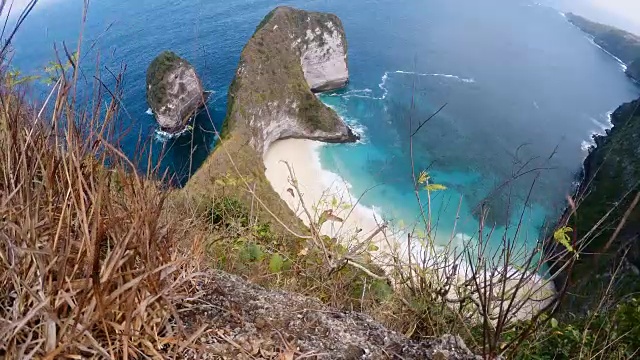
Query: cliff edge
{"points": [[270, 324]]}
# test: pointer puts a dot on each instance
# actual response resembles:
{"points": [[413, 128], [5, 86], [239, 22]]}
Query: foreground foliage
{"points": [[89, 266]]}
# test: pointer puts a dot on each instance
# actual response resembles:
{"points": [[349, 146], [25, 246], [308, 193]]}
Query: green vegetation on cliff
{"points": [[607, 214], [270, 72], [160, 66]]}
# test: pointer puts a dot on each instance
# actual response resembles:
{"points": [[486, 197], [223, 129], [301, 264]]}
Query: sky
{"points": [[627, 9], [624, 14]]}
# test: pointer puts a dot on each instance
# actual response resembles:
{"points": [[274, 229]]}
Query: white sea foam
{"points": [[383, 83], [587, 145], [449, 76], [603, 127], [337, 185], [353, 123], [163, 136], [364, 93], [357, 128], [149, 111], [610, 119]]}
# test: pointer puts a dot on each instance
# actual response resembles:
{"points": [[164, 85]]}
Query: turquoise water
{"points": [[525, 92]]}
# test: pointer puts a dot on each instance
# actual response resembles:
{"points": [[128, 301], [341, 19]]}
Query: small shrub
{"points": [[228, 211]]}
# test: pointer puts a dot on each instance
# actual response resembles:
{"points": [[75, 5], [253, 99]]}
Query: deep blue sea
{"points": [[524, 89]]}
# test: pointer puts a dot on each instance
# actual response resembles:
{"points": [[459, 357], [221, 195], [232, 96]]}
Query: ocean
{"points": [[524, 92]]}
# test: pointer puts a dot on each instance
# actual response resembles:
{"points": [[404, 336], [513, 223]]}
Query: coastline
{"points": [[322, 190]]}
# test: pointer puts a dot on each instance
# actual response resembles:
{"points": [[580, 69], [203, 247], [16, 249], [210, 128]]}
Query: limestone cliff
{"points": [[292, 54], [174, 91]]}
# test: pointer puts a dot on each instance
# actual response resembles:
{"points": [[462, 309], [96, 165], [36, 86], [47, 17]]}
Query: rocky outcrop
{"points": [[292, 54], [174, 91], [253, 322]]}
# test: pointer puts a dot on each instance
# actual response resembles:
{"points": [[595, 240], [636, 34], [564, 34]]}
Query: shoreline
{"points": [[321, 190]]}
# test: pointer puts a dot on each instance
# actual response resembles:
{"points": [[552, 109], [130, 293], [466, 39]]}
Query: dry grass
{"points": [[89, 266]]}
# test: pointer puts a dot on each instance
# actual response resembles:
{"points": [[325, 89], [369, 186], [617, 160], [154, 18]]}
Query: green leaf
{"points": [[276, 263], [373, 248], [554, 323], [435, 187], [561, 236], [253, 252], [334, 202]]}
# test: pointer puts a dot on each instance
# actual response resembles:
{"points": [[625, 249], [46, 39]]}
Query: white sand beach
{"points": [[321, 190]]}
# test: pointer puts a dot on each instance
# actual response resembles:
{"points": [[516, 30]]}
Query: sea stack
{"points": [[292, 55], [174, 91]]}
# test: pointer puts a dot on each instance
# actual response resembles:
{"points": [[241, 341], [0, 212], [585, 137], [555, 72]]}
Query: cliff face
{"points": [[612, 176], [324, 54], [292, 54], [622, 44], [174, 91], [610, 184]]}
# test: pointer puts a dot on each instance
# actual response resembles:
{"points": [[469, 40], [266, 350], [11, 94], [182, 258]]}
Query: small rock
{"points": [[354, 353], [260, 323]]}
